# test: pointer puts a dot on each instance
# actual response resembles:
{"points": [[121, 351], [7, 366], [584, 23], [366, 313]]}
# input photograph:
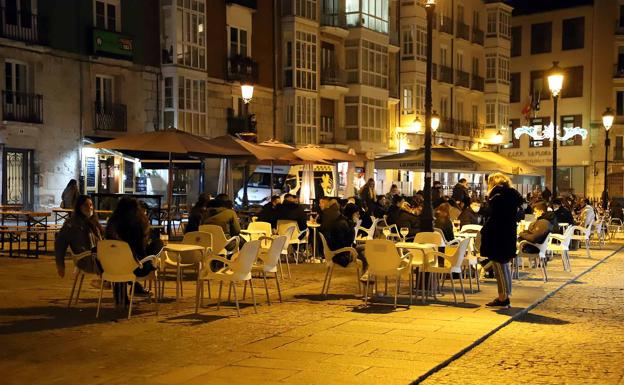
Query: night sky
{"points": [[523, 7]]}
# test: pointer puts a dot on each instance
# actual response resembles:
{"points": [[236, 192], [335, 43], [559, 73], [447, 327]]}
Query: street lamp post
{"points": [[607, 122], [247, 90], [555, 83], [427, 213]]}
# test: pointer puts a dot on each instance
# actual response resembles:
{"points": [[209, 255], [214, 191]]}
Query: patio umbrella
{"points": [[442, 158], [327, 154], [170, 141], [278, 146], [491, 162]]}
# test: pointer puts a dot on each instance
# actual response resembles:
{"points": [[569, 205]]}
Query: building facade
{"points": [[73, 70], [586, 40]]}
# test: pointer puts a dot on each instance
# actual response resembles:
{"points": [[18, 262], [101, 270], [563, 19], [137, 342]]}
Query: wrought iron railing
{"points": [[22, 107], [110, 117], [22, 25]]}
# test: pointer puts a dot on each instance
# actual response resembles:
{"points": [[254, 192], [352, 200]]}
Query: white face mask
{"points": [[475, 208]]}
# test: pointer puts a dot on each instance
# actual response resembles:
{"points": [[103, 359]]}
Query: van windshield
{"points": [[261, 179]]}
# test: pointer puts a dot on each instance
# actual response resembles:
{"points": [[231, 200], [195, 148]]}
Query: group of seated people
{"points": [[82, 232]]}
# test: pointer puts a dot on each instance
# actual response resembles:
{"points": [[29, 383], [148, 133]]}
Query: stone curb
{"points": [[515, 317]]}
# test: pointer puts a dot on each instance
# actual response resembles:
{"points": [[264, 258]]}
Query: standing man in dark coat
{"points": [[499, 233], [270, 211], [460, 192]]}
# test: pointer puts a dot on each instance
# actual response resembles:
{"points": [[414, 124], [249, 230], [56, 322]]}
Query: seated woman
{"points": [[443, 221], [198, 212], [80, 233], [129, 223], [409, 217]]}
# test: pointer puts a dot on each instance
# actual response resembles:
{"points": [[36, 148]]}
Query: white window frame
{"points": [[191, 35], [101, 95], [192, 105], [421, 43], [117, 5], [420, 97], [307, 109], [492, 23], [503, 69], [239, 44], [490, 113], [408, 100], [14, 63], [407, 43], [376, 55], [490, 68], [305, 60]]}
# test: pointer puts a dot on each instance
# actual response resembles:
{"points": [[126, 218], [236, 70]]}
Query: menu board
{"points": [[141, 184], [128, 175], [90, 172]]}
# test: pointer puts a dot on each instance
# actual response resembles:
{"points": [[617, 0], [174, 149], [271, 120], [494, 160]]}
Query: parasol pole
{"points": [[169, 194]]}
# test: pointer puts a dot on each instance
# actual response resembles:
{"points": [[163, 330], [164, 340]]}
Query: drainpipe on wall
{"points": [[81, 127], [275, 69]]}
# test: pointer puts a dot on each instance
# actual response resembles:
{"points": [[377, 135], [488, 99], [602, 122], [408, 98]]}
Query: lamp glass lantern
{"points": [[247, 90], [555, 79], [416, 125], [607, 118], [435, 121]]}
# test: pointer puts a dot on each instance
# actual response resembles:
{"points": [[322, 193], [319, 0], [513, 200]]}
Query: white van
{"points": [[286, 179]]}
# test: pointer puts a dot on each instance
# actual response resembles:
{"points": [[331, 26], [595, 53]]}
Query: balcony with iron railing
{"points": [[243, 125], [110, 117], [446, 25], [460, 127], [477, 36], [446, 74], [477, 83], [463, 31], [22, 107], [242, 68], [462, 78], [332, 76], [23, 26]]}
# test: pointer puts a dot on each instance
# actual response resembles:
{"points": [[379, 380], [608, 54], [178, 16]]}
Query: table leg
{"points": [[314, 243]]}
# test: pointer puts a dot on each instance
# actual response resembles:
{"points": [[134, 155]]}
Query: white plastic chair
{"points": [[599, 231], [539, 257], [119, 264], [264, 227], [298, 237], [454, 242], [584, 234], [288, 233], [416, 262], [267, 263], [385, 261], [187, 259], [236, 270], [219, 241], [454, 265], [615, 227], [329, 263], [560, 244], [369, 233], [78, 273], [470, 228]]}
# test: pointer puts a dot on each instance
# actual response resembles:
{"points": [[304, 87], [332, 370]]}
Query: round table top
{"points": [[415, 245], [179, 247]]}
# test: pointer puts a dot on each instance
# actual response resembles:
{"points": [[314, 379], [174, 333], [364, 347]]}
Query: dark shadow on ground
{"points": [[192, 319], [541, 319], [379, 308], [42, 318], [328, 297]]}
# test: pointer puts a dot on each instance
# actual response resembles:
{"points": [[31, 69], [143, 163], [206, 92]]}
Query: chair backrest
{"points": [[284, 226], [460, 253], [289, 234], [439, 231], [567, 237], [117, 261], [382, 256], [429, 237], [243, 262], [616, 222], [218, 236], [471, 228], [261, 226], [273, 254], [199, 238]]}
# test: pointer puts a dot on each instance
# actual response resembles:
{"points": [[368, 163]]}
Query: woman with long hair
{"points": [[499, 233], [70, 195], [129, 223], [81, 232]]}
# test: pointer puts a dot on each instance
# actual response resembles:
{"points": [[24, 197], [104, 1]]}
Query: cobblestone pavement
{"points": [[575, 337], [307, 339]]}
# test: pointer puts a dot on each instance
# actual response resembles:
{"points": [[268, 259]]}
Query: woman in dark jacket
{"points": [[443, 221], [80, 233], [499, 233], [198, 212]]}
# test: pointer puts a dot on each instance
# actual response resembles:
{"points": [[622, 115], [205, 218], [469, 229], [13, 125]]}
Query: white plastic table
{"points": [[313, 226], [177, 249]]}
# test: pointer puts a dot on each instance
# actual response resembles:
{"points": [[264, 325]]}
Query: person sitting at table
{"points": [[269, 211], [394, 210], [442, 221], [382, 207], [562, 213], [291, 210], [470, 214], [81, 233], [409, 217], [539, 229], [130, 224], [221, 214], [455, 209], [197, 213], [336, 229], [70, 195]]}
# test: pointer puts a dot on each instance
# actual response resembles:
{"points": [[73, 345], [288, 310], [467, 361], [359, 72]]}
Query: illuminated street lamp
{"points": [[247, 90], [555, 84], [607, 122], [416, 125], [435, 121]]}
